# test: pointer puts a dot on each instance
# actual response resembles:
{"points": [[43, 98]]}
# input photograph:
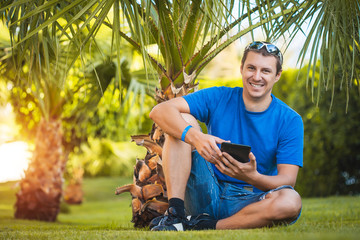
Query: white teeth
{"points": [[256, 85]]}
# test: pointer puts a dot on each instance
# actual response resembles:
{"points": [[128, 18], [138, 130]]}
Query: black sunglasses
{"points": [[270, 48]]}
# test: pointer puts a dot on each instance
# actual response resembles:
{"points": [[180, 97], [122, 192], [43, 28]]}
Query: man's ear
{"points": [[278, 75]]}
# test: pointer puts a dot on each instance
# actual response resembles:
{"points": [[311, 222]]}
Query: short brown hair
{"points": [[265, 53]]}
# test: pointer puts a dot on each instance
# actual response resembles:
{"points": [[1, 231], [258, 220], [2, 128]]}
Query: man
{"points": [[218, 191]]}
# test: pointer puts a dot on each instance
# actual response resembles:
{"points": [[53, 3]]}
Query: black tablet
{"points": [[238, 151]]}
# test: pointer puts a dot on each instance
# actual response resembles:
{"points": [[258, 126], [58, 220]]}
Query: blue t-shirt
{"points": [[275, 135]]}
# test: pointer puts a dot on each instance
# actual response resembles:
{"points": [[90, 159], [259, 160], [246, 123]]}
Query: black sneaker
{"points": [[155, 221], [171, 222], [194, 222]]}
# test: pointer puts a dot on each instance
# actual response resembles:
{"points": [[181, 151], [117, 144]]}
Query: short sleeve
{"points": [[203, 102], [291, 142]]}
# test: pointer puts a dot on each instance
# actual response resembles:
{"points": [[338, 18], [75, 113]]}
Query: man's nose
{"points": [[257, 75]]}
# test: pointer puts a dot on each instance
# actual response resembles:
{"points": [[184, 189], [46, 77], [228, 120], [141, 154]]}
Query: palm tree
{"points": [[187, 35], [39, 69], [41, 189], [134, 89], [51, 97], [190, 33], [54, 142]]}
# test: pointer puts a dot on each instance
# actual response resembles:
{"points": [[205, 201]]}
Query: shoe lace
{"points": [[171, 218]]}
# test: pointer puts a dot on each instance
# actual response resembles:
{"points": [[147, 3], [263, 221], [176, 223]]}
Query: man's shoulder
{"points": [[222, 90], [289, 122], [212, 94], [286, 109]]}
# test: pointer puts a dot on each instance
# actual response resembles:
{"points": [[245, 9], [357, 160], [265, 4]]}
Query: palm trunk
{"points": [[41, 188], [73, 193], [149, 195], [149, 191]]}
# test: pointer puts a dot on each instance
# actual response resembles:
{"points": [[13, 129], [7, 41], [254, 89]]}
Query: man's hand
{"points": [[206, 145], [243, 171]]}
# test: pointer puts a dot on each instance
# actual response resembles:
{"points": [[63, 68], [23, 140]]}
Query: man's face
{"points": [[259, 76]]}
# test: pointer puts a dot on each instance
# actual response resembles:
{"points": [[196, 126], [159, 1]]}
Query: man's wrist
{"points": [[254, 178], [191, 136], [183, 135]]}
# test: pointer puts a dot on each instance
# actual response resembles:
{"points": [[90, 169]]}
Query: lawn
{"points": [[106, 216]]}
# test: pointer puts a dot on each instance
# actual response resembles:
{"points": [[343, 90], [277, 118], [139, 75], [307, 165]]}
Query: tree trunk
{"points": [[149, 192], [73, 193], [41, 188]]}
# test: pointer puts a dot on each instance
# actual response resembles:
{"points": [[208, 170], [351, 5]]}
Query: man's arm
{"points": [[287, 173], [168, 116]]}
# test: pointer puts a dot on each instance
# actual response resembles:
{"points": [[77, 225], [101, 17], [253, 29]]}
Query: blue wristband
{"points": [[185, 132]]}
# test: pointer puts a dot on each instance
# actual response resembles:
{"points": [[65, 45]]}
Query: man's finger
{"points": [[205, 155], [229, 158], [226, 162], [219, 140], [216, 149], [213, 159], [209, 149], [252, 157], [221, 167], [209, 157]]}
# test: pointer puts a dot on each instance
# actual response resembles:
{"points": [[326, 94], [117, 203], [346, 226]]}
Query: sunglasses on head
{"points": [[270, 48]]}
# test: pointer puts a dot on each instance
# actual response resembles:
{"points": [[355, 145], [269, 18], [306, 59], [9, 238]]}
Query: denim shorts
{"points": [[205, 194]]}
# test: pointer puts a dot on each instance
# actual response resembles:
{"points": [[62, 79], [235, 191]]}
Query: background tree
{"points": [[109, 116], [39, 89], [331, 147], [81, 94]]}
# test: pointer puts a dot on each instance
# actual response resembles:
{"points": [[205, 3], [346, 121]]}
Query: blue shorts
{"points": [[205, 194]]}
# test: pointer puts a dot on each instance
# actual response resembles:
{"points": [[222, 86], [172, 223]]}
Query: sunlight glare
{"points": [[14, 159]]}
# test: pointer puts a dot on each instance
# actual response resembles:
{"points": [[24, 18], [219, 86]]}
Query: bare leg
{"points": [[281, 206], [177, 162]]}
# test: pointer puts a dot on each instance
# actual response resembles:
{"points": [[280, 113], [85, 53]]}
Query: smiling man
{"points": [[214, 189]]}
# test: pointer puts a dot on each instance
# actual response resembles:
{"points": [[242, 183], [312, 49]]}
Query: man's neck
{"points": [[257, 105]]}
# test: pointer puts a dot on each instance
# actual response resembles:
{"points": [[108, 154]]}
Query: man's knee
{"points": [[287, 205], [292, 205], [190, 119]]}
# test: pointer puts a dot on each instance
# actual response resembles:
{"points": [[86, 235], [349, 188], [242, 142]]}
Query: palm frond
{"points": [[187, 33], [334, 36]]}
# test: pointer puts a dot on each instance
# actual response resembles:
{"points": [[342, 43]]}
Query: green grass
{"points": [[106, 216]]}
